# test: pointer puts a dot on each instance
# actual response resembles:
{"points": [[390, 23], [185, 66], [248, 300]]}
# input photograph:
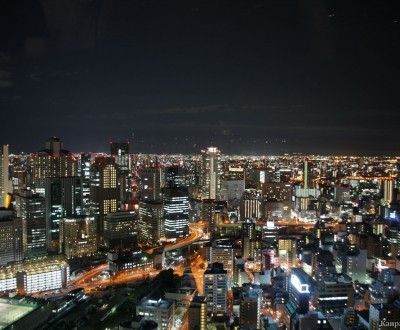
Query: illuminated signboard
{"points": [[302, 288]]}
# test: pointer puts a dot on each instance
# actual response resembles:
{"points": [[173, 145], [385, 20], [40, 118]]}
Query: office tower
{"points": [[84, 167], [223, 252], [215, 288], [334, 292], [277, 201], [63, 199], [53, 161], [32, 209], [175, 212], [175, 176], [232, 185], [4, 175], [388, 192], [120, 230], [270, 233], [150, 184], [249, 229], [11, 237], [213, 212], [307, 174], [160, 311], [250, 309], [323, 236], [120, 150], [299, 295], [287, 251], [150, 224], [250, 204], [352, 262], [197, 313], [78, 237], [209, 173], [104, 190]]}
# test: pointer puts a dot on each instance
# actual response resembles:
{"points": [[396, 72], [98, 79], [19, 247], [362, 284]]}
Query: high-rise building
{"points": [[63, 199], [84, 167], [120, 230], [307, 179], [299, 295], [120, 150], [209, 173], [334, 292], [150, 224], [160, 311], [53, 161], [353, 263], [277, 201], [150, 183], [104, 190], [223, 252], [175, 176], [215, 288], [388, 191], [197, 317], [384, 316], [78, 237], [250, 309], [4, 174], [287, 250], [213, 213], [250, 204], [32, 209], [176, 212], [11, 237]]}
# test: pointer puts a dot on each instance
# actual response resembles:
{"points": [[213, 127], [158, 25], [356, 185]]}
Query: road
{"points": [[196, 234]]}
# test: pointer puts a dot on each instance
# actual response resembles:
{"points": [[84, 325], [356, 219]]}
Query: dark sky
{"points": [[251, 76]]}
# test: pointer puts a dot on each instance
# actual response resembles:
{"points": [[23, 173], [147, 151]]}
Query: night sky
{"points": [[255, 77]]}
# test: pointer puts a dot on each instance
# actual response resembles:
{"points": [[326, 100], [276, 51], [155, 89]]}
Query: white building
{"points": [[160, 311], [33, 276]]}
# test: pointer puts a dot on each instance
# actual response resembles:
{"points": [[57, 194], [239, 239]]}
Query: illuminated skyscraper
{"points": [[63, 199], [4, 174], [250, 204], [78, 237], [104, 189], [120, 150], [32, 209], [176, 212], [11, 237], [150, 184], [53, 161], [209, 173], [388, 191], [84, 168], [120, 230], [150, 224]]}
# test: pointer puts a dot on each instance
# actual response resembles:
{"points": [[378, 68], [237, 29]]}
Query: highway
{"points": [[196, 234]]}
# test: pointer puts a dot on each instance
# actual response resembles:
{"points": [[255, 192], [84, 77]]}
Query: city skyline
{"points": [[253, 77]]}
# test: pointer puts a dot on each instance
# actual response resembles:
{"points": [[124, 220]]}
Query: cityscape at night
{"points": [[199, 165]]}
